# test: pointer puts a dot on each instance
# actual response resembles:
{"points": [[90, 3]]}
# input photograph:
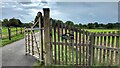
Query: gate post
{"points": [[91, 49], [47, 35]]}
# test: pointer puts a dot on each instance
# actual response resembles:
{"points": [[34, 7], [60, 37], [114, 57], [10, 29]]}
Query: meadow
{"points": [[15, 35], [102, 30], [13, 31]]}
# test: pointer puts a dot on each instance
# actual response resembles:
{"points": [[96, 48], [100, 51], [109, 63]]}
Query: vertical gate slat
{"points": [[93, 50], [76, 46], [58, 42], [62, 25], [66, 46], [89, 47], [51, 47], [104, 50], [69, 31], [32, 42], [25, 35], [101, 39], [80, 47], [55, 44], [117, 46], [87, 41], [112, 52], [108, 51], [28, 41], [83, 44], [97, 52], [72, 44]]}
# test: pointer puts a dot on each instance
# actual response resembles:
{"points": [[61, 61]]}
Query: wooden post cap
{"points": [[46, 9]]}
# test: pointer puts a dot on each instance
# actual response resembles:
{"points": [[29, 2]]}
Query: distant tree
{"points": [[84, 26], [101, 26], [76, 25], [90, 25], [109, 26], [0, 23], [19, 22], [96, 24], [80, 25], [59, 21], [69, 23], [5, 23], [14, 22]]}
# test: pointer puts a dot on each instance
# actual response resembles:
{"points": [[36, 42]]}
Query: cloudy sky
{"points": [[78, 12]]}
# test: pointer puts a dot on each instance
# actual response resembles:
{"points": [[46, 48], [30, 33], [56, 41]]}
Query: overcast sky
{"points": [[78, 12]]}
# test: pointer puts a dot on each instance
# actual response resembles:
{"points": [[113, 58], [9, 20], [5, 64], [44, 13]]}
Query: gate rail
{"points": [[60, 44]]}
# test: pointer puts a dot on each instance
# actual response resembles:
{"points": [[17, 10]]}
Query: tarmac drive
{"points": [[14, 55]]}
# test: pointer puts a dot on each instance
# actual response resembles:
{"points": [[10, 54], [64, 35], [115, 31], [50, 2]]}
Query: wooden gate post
{"points": [[47, 35], [9, 33], [91, 59]]}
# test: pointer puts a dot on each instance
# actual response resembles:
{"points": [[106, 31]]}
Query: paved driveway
{"points": [[14, 55]]}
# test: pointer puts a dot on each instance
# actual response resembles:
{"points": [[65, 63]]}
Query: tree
{"points": [[80, 25], [90, 25], [0, 23], [76, 25], [84, 26], [96, 24], [109, 26], [69, 23], [19, 22], [59, 21], [14, 22], [5, 23]]}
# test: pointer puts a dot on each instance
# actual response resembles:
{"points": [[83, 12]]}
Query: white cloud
{"points": [[30, 5], [33, 12], [92, 15]]}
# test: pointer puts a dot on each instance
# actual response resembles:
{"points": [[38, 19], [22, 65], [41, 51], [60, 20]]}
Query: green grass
{"points": [[102, 30], [13, 31], [13, 39]]}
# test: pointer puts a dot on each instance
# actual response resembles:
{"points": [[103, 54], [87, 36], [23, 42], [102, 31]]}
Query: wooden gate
{"points": [[61, 44], [69, 45], [34, 41]]}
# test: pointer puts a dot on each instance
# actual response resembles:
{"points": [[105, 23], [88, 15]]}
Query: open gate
{"points": [[34, 41], [58, 43]]}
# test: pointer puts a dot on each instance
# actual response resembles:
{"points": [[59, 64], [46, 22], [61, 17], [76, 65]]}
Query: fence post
{"points": [[21, 30], [47, 35], [91, 59], [16, 31], [119, 49], [9, 33]]}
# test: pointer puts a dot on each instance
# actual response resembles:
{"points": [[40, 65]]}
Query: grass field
{"points": [[102, 30], [14, 37], [13, 31]]}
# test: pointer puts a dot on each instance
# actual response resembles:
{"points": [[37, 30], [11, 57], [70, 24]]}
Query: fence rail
{"points": [[11, 31], [61, 44], [85, 49]]}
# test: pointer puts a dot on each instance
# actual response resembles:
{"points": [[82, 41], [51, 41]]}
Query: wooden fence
{"points": [[12, 31], [61, 44], [85, 48]]}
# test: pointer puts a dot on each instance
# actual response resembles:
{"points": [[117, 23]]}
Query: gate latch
{"points": [[67, 36]]}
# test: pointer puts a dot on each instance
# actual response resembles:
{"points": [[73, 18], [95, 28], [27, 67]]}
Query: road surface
{"points": [[14, 55]]}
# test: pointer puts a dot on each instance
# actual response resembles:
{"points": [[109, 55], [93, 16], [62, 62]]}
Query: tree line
{"points": [[94, 25], [14, 23], [17, 23]]}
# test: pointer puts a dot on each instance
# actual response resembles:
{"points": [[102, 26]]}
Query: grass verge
{"points": [[13, 39]]}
